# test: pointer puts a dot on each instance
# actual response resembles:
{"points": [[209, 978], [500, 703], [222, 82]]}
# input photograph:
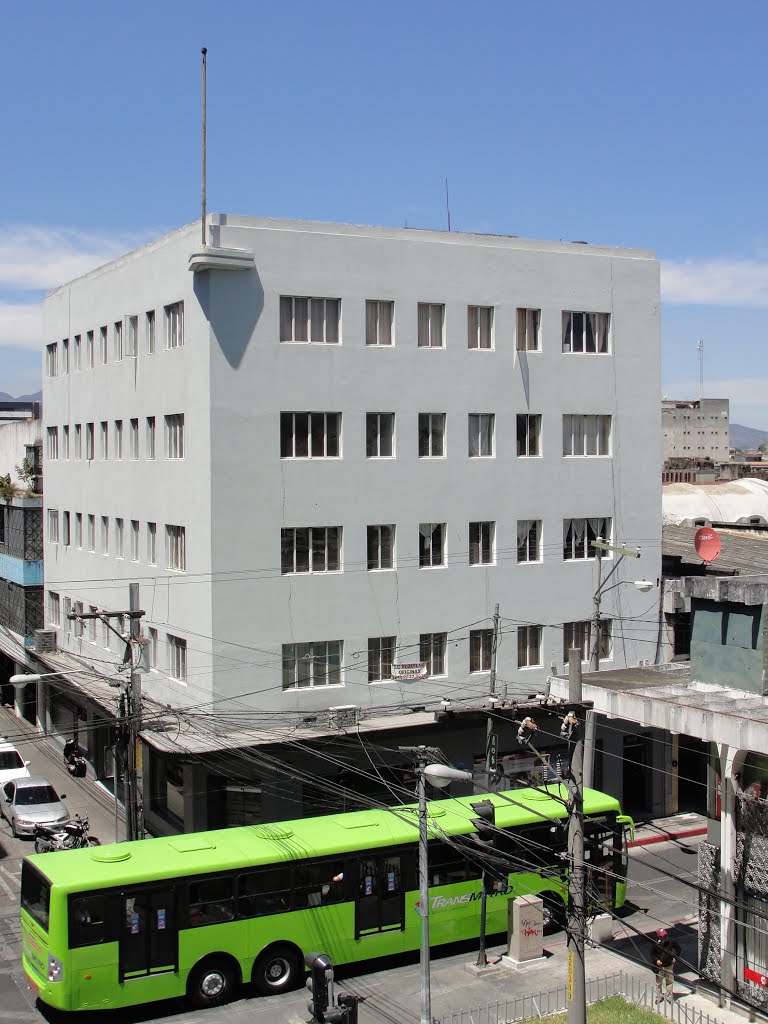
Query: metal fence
{"points": [[543, 1004]]}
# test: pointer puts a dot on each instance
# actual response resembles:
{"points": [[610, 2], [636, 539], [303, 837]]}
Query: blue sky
{"points": [[614, 123]]}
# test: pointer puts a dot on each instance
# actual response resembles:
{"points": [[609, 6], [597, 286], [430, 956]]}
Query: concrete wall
{"points": [[728, 644], [234, 493], [697, 429], [14, 435]]}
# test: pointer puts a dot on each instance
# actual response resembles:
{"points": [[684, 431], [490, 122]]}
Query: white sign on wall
{"points": [[409, 670]]}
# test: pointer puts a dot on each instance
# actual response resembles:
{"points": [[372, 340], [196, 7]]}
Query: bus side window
{"points": [[211, 901], [264, 892], [87, 920], [319, 884]]}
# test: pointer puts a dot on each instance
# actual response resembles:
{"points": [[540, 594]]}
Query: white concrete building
{"points": [[696, 429], [323, 449]]}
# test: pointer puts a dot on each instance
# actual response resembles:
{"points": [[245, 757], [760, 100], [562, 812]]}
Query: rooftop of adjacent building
{"points": [[722, 501]]}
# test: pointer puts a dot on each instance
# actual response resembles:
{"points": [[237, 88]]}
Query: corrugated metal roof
{"points": [[740, 553]]}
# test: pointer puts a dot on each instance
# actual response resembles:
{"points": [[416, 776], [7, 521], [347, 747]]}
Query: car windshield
{"points": [[10, 759], [26, 795]]}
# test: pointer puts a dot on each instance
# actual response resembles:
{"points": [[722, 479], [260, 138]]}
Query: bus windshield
{"points": [[35, 894]]}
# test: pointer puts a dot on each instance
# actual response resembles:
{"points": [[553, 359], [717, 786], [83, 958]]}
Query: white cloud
{"points": [[715, 283], [39, 258], [21, 325]]}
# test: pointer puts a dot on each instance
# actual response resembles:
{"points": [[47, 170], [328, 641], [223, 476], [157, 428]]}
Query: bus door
{"points": [[379, 899], [149, 937]]}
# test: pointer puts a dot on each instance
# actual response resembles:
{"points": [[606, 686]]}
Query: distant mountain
{"points": [[5, 397], [747, 437]]}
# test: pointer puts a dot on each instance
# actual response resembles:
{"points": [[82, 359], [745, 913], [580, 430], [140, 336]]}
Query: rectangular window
{"points": [[103, 345], [174, 436], [89, 442], [91, 532], [65, 355], [119, 538], [381, 546], [310, 549], [480, 326], [134, 540], [149, 326], [432, 648], [585, 435], [310, 435], [379, 435], [312, 664], [528, 646], [586, 332], [528, 321], [66, 537], [118, 439], [103, 440], [105, 535], [91, 626], [309, 319], [481, 426], [431, 435], [528, 435], [579, 534], [174, 325], [431, 545], [176, 547], [65, 442], [177, 657], [52, 359], [52, 442], [151, 437], [379, 317], [79, 530], [381, 654], [529, 540], [117, 340], [152, 543], [53, 526], [78, 441], [134, 439], [132, 341], [153, 648], [78, 353], [431, 320], [579, 635], [90, 354], [480, 650], [54, 608], [481, 543]]}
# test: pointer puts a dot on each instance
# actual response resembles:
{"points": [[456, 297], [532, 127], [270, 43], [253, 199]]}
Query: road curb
{"points": [[665, 837]]}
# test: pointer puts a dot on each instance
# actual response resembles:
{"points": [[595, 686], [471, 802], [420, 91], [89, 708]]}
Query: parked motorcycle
{"points": [[71, 836], [75, 761]]}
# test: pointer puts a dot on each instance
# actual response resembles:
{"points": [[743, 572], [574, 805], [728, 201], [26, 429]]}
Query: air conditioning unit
{"points": [[343, 716], [45, 641]]}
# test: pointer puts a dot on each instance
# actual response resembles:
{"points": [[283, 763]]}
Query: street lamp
{"points": [[599, 588], [440, 776]]}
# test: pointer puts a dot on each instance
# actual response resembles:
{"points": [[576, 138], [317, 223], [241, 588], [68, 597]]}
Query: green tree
{"points": [[8, 488]]}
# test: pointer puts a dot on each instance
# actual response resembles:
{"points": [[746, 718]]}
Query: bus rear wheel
{"points": [[553, 913], [211, 983], [278, 969]]}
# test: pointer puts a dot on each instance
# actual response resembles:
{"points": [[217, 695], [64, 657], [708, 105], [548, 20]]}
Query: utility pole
{"points": [[135, 771], [491, 739], [594, 650], [577, 910]]}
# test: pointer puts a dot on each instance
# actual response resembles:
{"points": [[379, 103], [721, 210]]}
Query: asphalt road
{"points": [[657, 895]]}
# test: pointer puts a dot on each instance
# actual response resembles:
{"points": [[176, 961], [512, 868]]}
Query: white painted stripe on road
{"points": [[14, 876], [7, 889]]}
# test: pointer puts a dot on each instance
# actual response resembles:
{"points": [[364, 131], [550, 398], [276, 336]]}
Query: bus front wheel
{"points": [[554, 914], [278, 969], [212, 983]]}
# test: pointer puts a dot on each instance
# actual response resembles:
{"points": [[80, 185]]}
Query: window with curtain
{"points": [[579, 634], [529, 540], [431, 544], [431, 435], [586, 332], [528, 435], [312, 664], [379, 318], [481, 426], [381, 546], [579, 535], [381, 654], [432, 648], [480, 327], [528, 330], [379, 435], [481, 543], [309, 319], [529, 646], [431, 320], [586, 435], [480, 650]]}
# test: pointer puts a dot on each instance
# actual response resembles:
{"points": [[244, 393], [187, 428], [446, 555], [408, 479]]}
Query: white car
{"points": [[12, 764]]}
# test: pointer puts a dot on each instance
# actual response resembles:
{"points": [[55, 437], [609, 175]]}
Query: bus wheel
{"points": [[211, 983], [278, 969], [553, 913]]}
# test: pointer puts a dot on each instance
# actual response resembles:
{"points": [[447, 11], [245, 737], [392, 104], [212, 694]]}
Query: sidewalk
{"points": [[662, 830]]}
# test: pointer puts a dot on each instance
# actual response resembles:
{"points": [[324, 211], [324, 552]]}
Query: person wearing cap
{"points": [[664, 953]]}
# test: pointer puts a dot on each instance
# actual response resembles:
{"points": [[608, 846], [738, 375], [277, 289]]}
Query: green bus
{"points": [[198, 915]]}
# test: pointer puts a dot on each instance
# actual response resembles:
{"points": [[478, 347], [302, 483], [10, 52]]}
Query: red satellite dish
{"points": [[707, 544]]}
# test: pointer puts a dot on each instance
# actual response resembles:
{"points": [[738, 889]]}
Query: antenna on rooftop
{"points": [[700, 347], [205, 52], [447, 204]]}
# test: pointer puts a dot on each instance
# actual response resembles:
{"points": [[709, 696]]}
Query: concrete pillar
{"points": [[195, 803], [730, 764], [19, 699], [673, 777]]}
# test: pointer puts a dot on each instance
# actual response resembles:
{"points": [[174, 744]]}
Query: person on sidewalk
{"points": [[664, 953]]}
